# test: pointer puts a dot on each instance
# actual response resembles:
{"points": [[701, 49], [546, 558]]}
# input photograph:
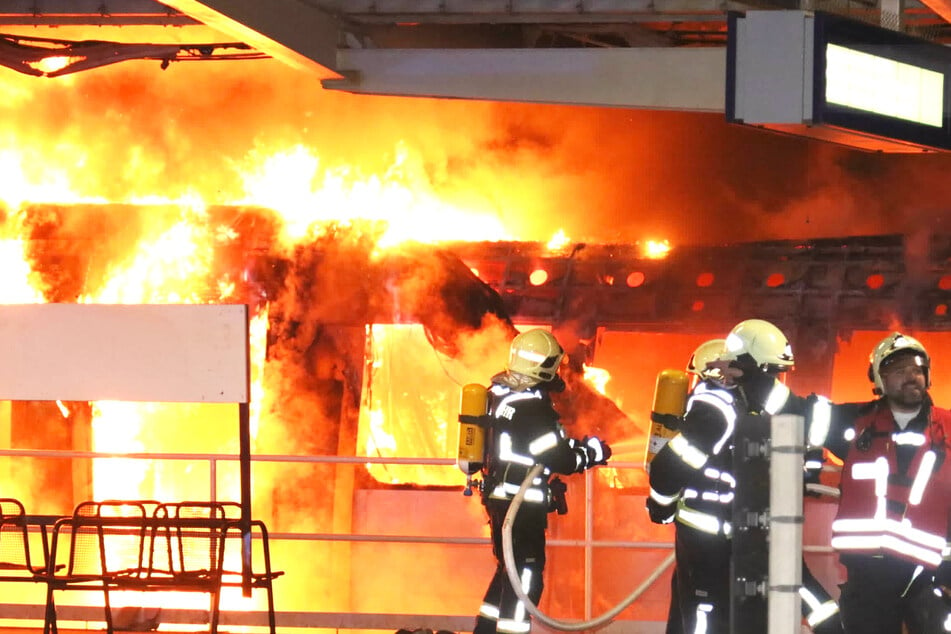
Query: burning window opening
{"points": [[46, 57]]}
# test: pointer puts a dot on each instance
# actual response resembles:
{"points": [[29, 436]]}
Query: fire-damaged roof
{"points": [[854, 283], [315, 32]]}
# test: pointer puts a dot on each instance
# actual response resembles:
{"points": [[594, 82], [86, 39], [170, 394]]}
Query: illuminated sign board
{"points": [[839, 80]]}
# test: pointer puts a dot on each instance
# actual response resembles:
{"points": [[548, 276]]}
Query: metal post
{"points": [[785, 524], [749, 557]]}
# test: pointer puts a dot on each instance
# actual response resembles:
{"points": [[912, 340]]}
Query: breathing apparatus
{"points": [[473, 418], [670, 403]]}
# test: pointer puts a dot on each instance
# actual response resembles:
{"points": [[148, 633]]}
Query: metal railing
{"points": [[341, 620]]}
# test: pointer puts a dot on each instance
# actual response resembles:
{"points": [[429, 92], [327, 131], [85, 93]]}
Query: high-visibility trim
{"points": [[900, 529], [526, 581], [687, 452], [510, 626], [702, 625], [778, 396], [507, 454], [721, 400], [820, 423], [818, 612], [914, 575], [913, 438], [925, 469], [696, 519], [886, 542], [663, 500], [713, 496], [489, 611], [877, 471], [543, 443], [507, 490], [514, 397]]}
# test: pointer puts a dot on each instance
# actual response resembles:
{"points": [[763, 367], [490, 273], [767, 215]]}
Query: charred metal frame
{"points": [[828, 289]]}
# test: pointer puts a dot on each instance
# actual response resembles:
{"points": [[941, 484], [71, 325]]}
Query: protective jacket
{"points": [[691, 478], [896, 484], [525, 431]]}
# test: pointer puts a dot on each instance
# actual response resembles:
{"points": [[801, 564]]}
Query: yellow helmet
{"points": [[889, 348], [705, 353], [535, 354], [760, 342]]}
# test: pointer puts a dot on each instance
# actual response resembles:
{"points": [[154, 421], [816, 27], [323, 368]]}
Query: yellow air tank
{"points": [[670, 402], [472, 410]]}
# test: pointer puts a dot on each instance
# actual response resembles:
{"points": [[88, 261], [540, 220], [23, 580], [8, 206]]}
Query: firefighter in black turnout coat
{"points": [[524, 431]]}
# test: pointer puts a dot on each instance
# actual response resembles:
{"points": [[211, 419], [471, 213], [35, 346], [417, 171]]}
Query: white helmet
{"points": [[760, 343], [889, 349], [705, 353], [535, 354]]}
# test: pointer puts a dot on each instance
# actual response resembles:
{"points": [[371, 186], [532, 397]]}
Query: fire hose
{"points": [[510, 569]]}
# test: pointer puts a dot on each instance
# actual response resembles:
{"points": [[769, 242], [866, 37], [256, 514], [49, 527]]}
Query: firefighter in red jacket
{"points": [[524, 431], [891, 529]]}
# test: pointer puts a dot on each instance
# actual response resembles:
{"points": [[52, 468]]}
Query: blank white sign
{"points": [[95, 352]]}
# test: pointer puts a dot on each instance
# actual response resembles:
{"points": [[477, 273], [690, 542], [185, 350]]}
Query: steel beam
{"points": [[292, 31], [654, 78]]}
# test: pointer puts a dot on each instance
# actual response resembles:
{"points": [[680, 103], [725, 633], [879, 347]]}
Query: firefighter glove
{"points": [[597, 451], [661, 513]]}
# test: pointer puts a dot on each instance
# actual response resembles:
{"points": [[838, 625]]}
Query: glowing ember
{"points": [[558, 241], [54, 63], [656, 249], [597, 378]]}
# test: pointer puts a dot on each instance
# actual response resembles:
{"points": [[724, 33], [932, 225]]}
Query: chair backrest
{"points": [[14, 538], [104, 537], [193, 541]]}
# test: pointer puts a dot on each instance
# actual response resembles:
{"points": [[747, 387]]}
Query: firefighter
{"points": [[523, 431], [892, 524], [691, 480], [706, 352]]}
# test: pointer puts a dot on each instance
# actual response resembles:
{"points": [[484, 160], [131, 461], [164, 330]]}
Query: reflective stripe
{"points": [[702, 610], [913, 438], [526, 580], [507, 490], [701, 521], [777, 398], [687, 452], [664, 500], [899, 529], [489, 611], [922, 477], [886, 542], [543, 443], [877, 471], [821, 420], [723, 401], [506, 453], [818, 612], [514, 397], [512, 627]]}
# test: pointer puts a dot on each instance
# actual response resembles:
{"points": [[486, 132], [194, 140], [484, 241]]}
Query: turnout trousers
{"points": [[502, 612]]}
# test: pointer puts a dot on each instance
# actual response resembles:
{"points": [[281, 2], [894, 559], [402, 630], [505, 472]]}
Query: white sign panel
{"points": [[94, 352]]}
